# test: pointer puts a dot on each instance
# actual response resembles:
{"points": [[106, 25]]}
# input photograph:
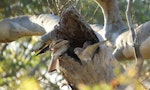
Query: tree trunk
{"points": [[118, 34], [74, 29], [113, 24]]}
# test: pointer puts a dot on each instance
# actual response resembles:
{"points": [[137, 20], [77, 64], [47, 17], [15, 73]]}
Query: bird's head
{"points": [[57, 44], [66, 42], [78, 50]]}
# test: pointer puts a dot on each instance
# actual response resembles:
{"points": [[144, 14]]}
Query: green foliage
{"points": [[101, 86], [29, 83], [21, 68], [122, 79]]}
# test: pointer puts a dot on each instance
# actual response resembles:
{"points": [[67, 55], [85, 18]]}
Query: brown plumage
{"points": [[58, 47], [72, 27], [87, 53], [45, 41]]}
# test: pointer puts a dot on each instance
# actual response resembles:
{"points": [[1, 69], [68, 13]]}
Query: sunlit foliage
{"points": [[21, 69]]}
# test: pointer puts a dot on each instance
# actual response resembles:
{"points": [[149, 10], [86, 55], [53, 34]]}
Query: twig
{"points": [[57, 6], [93, 13], [64, 5], [49, 7], [138, 56]]}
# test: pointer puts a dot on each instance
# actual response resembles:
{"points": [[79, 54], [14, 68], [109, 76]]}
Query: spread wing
{"points": [[72, 27]]}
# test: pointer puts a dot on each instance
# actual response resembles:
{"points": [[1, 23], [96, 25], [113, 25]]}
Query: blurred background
{"points": [[21, 69]]}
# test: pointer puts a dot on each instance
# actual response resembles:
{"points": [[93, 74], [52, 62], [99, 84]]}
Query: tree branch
{"points": [[14, 28], [73, 27], [138, 56]]}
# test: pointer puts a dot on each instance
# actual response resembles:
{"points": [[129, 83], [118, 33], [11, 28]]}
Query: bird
{"points": [[86, 54], [43, 44], [57, 48]]}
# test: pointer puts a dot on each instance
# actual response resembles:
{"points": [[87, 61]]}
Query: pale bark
{"points": [[13, 28], [138, 57], [120, 37], [74, 29], [124, 43], [114, 30], [113, 24]]}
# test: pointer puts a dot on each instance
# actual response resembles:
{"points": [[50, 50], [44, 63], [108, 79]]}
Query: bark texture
{"points": [[94, 71], [14, 28], [136, 48], [119, 35], [124, 44], [72, 27], [113, 24]]}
